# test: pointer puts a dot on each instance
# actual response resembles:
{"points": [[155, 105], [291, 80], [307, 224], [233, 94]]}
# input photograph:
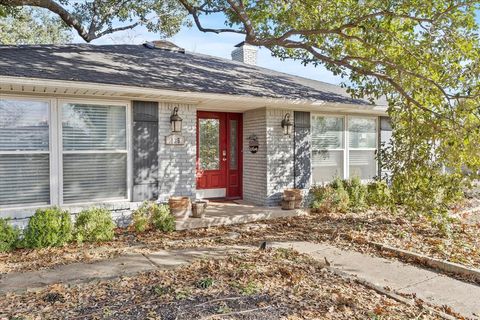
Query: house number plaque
{"points": [[175, 139]]}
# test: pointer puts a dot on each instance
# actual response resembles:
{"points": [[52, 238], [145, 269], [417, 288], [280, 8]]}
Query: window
{"points": [[327, 148], [24, 152], [362, 142], [332, 158], [209, 144], [94, 152]]}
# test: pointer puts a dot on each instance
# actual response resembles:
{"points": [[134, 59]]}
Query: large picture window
{"points": [[24, 152], [327, 148], [332, 157], [94, 152]]}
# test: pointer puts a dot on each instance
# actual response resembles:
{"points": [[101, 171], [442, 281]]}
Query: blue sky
{"points": [[220, 45]]}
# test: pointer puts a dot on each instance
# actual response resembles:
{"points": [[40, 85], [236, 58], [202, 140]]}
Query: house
{"points": [[119, 124]]}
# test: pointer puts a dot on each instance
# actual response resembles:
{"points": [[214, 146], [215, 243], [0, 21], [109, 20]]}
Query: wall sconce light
{"points": [[176, 121], [287, 125]]}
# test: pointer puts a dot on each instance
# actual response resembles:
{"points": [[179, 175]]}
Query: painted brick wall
{"points": [[280, 153], [255, 164], [177, 163]]}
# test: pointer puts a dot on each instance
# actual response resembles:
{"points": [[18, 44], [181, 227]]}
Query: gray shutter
{"points": [[302, 161], [145, 150], [385, 135]]}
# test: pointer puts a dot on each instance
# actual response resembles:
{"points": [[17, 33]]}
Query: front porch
{"points": [[235, 212]]}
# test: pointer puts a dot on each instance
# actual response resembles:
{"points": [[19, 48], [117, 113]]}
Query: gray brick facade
{"points": [[177, 163], [280, 151], [255, 164], [270, 170]]}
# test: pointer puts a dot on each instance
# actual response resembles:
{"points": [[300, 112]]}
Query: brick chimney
{"points": [[245, 53]]}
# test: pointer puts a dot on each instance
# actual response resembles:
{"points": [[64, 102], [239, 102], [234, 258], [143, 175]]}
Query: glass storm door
{"points": [[219, 154]]}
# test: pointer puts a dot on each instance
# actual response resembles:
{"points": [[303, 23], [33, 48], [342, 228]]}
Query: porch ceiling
{"points": [[204, 101]]}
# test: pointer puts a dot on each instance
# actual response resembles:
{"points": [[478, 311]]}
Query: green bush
{"points": [[141, 219], [48, 228], [94, 225], [9, 236], [152, 215], [379, 194], [329, 199], [357, 193], [161, 218]]}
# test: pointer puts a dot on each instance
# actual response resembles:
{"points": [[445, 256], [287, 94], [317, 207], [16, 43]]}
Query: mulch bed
{"points": [[272, 284]]}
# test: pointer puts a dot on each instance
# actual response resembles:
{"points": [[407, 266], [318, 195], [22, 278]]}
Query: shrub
{"points": [[161, 218], [152, 215], [357, 193], [328, 199], [379, 194], [141, 219], [48, 228], [9, 236], [94, 225]]}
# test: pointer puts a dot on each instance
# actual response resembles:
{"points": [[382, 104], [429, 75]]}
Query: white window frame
{"points": [[344, 149], [375, 118], [51, 149], [346, 136], [128, 152]]}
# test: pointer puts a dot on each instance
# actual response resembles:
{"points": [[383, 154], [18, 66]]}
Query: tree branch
{"points": [[194, 12], [56, 8]]}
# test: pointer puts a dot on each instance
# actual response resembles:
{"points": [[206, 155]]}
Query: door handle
{"points": [[224, 154]]}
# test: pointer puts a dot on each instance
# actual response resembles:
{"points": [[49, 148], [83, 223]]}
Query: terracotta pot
{"points": [[288, 204], [298, 203], [297, 193], [198, 209], [180, 207]]}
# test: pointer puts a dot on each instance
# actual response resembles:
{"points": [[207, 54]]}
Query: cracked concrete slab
{"points": [[464, 297], [128, 264], [427, 285]]}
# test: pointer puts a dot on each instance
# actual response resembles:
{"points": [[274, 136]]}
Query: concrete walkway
{"points": [[128, 264], [432, 287], [437, 289]]}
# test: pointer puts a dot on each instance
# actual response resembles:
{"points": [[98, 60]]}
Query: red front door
{"points": [[219, 154]]}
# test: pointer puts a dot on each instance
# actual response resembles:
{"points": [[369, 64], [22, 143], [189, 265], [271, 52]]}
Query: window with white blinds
{"points": [[362, 144], [24, 152], [332, 158], [327, 148], [94, 139]]}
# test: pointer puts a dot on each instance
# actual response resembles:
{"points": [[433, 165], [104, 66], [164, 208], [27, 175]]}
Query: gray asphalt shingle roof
{"points": [[138, 66]]}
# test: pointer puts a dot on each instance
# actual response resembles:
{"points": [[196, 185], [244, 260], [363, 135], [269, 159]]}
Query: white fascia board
{"points": [[194, 97]]}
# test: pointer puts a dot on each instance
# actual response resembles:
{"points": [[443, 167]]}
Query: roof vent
{"points": [[245, 53], [163, 45]]}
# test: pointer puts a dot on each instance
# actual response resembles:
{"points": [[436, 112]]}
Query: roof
{"points": [[138, 66]]}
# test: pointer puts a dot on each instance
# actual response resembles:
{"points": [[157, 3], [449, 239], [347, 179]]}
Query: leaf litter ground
{"points": [[355, 231], [272, 284]]}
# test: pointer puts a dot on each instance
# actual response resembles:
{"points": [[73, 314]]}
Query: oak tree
{"points": [[33, 26], [93, 19]]}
